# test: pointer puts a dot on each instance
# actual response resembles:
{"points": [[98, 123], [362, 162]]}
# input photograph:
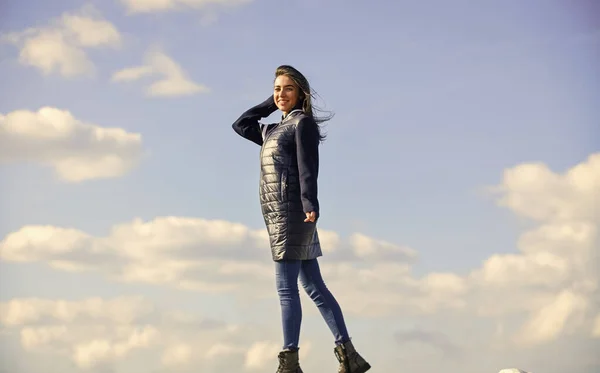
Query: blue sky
{"points": [[433, 102]]}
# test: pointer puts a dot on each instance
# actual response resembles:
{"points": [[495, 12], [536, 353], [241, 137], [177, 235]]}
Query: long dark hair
{"points": [[307, 95]]}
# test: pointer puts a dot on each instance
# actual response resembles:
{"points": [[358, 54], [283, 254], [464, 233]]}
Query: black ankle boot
{"points": [[350, 360], [288, 362]]}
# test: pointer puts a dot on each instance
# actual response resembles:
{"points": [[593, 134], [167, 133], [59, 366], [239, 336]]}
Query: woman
{"points": [[288, 195]]}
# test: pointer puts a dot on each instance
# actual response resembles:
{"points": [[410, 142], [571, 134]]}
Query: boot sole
{"points": [[363, 368]]}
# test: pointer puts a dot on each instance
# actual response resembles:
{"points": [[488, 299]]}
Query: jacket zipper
{"points": [[267, 133]]}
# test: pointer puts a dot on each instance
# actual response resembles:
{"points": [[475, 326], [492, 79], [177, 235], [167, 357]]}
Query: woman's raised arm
{"points": [[247, 124]]}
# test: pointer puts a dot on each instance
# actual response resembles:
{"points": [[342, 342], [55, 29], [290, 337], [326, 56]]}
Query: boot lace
{"points": [[281, 363]]}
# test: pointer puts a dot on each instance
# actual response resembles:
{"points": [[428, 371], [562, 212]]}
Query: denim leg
{"points": [[312, 281], [291, 311]]}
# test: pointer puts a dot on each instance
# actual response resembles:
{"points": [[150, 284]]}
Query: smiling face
{"points": [[285, 93]]}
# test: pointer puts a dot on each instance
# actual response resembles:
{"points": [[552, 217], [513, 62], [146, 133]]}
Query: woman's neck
{"points": [[295, 108], [286, 114]]}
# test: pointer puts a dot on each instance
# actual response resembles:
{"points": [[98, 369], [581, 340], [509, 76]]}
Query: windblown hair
{"points": [[307, 95]]}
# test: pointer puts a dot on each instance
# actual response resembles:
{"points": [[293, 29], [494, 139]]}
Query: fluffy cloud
{"points": [[368, 248], [76, 150], [60, 47], [544, 292], [89, 332], [259, 357], [174, 81], [549, 321], [93, 333], [533, 191], [33, 311], [176, 355], [210, 256], [596, 327], [149, 6], [555, 276]]}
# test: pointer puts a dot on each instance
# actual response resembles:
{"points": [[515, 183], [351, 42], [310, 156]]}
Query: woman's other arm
{"points": [[307, 152], [247, 124]]}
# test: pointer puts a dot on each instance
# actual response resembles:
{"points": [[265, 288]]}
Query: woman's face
{"points": [[285, 93]]}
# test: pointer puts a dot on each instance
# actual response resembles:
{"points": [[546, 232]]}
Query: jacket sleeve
{"points": [[307, 152], [247, 124]]}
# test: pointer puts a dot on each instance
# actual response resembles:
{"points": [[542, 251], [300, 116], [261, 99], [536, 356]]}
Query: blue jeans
{"points": [[287, 273]]}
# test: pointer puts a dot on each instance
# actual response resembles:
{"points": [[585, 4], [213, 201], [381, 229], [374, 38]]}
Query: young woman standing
{"points": [[289, 158]]}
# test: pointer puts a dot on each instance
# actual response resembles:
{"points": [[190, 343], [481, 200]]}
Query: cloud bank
{"points": [[61, 46], [152, 6], [95, 333], [551, 284], [174, 81], [76, 150]]}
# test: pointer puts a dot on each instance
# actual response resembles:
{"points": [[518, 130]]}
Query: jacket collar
{"points": [[290, 114]]}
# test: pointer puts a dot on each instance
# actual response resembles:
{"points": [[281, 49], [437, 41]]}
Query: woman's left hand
{"points": [[310, 217]]}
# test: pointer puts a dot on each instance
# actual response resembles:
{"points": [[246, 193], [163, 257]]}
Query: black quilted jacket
{"points": [[288, 178]]}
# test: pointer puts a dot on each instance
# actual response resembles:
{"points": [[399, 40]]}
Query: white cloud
{"points": [[555, 277], [94, 332], [596, 327], [91, 353], [89, 332], [32, 338], [223, 350], [551, 319], [90, 32], [179, 354], [76, 150], [533, 191], [34, 311], [60, 47], [540, 268], [132, 73], [211, 256], [149, 6], [259, 356], [546, 290], [174, 82], [368, 248]]}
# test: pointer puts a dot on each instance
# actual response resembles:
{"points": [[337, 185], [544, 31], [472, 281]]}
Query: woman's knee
{"points": [[287, 280], [286, 289], [314, 289], [311, 281]]}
